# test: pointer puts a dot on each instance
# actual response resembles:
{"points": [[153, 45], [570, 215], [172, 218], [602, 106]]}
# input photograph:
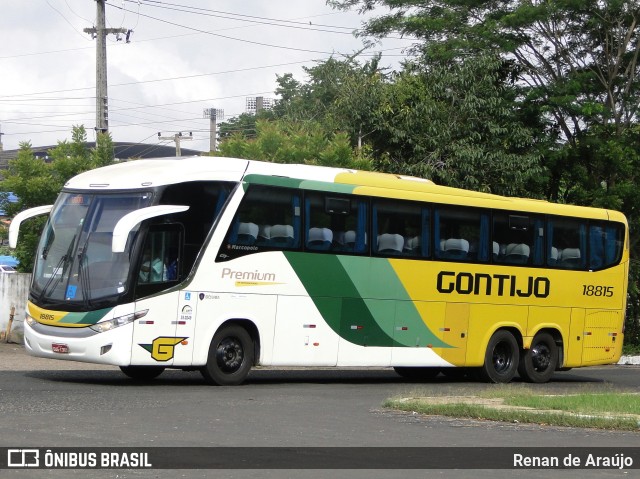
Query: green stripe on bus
{"points": [[296, 183], [92, 317], [342, 290], [409, 328]]}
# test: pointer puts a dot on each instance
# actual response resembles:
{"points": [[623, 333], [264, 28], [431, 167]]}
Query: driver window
{"points": [[160, 259]]}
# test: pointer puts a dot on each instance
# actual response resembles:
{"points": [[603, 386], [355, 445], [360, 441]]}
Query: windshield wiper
{"points": [[62, 264], [83, 273]]}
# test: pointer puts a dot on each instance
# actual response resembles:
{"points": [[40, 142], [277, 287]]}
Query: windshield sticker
{"points": [[71, 292]]}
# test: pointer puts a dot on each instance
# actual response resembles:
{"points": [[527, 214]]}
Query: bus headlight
{"points": [[30, 320], [110, 324]]}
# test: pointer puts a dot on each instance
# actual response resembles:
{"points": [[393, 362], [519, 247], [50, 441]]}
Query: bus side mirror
{"points": [[14, 227], [130, 220]]}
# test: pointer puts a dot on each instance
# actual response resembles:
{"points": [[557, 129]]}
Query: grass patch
{"points": [[631, 349], [602, 410], [582, 403]]}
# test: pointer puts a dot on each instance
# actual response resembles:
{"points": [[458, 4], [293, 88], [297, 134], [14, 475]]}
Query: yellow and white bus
{"points": [[222, 264]]}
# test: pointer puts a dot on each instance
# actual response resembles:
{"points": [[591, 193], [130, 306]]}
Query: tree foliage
{"points": [[286, 142], [343, 95], [459, 124], [37, 183]]}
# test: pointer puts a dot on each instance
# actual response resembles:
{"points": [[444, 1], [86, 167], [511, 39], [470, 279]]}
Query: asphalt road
{"points": [[45, 406]]}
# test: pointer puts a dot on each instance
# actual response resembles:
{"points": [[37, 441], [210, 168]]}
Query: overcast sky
{"points": [[183, 56]]}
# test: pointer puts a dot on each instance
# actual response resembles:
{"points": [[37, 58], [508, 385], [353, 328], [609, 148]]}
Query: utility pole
{"points": [[177, 138], [214, 115], [1, 148], [99, 33]]}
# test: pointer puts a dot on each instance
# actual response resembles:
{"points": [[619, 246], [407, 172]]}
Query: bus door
{"points": [[164, 325]]}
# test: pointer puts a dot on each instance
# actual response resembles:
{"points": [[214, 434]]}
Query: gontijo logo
{"points": [[493, 284]]}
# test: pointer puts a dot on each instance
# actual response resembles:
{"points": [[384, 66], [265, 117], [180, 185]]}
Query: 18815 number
{"points": [[594, 290]]}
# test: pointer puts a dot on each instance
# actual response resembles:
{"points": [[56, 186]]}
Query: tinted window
{"points": [[461, 234], [335, 223], [566, 243], [268, 218], [401, 228], [517, 239]]}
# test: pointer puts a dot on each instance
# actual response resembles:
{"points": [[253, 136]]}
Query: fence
{"points": [[14, 291]]}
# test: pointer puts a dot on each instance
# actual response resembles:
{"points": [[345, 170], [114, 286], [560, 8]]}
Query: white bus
{"points": [[222, 264]]}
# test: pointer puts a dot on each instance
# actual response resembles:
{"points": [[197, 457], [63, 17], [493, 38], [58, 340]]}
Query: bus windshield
{"points": [[74, 262]]}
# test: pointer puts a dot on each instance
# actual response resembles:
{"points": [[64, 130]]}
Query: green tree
{"points": [[342, 95], [576, 62], [458, 124], [281, 141], [243, 125], [37, 183]]}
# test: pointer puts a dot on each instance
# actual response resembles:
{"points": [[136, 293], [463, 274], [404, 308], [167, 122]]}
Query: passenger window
{"points": [[401, 228], [335, 223], [268, 218], [461, 234], [517, 239], [566, 243], [605, 244]]}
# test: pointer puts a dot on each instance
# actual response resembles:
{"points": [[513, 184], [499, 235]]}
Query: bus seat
{"points": [[496, 250], [264, 234], [553, 256], [247, 233], [319, 239], [412, 245], [390, 243], [456, 248], [570, 258], [517, 253], [281, 236], [349, 241]]}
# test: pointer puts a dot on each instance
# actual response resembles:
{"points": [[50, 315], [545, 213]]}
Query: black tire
{"points": [[501, 358], [538, 363], [417, 372], [230, 356], [142, 373]]}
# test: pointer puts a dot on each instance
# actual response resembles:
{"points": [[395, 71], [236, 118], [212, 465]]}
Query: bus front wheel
{"points": [[230, 356], [501, 358], [538, 363]]}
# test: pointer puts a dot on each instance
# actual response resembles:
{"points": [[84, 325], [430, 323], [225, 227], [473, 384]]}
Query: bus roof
{"points": [[150, 173]]}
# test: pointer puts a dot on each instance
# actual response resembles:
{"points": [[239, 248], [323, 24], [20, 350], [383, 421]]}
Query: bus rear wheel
{"points": [[501, 358], [538, 363], [142, 373], [230, 356]]}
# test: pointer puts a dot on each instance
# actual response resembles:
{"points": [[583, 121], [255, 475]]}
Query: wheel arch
{"points": [[556, 334], [478, 352], [251, 328]]}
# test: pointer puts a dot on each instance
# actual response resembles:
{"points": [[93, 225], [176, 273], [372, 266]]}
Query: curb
{"points": [[630, 360]]}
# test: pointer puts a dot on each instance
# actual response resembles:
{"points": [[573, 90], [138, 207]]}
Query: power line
{"points": [[226, 36], [238, 70], [152, 106], [248, 18], [66, 20]]}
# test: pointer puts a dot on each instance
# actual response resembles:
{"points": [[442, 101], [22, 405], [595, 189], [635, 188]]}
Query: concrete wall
{"points": [[14, 291]]}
